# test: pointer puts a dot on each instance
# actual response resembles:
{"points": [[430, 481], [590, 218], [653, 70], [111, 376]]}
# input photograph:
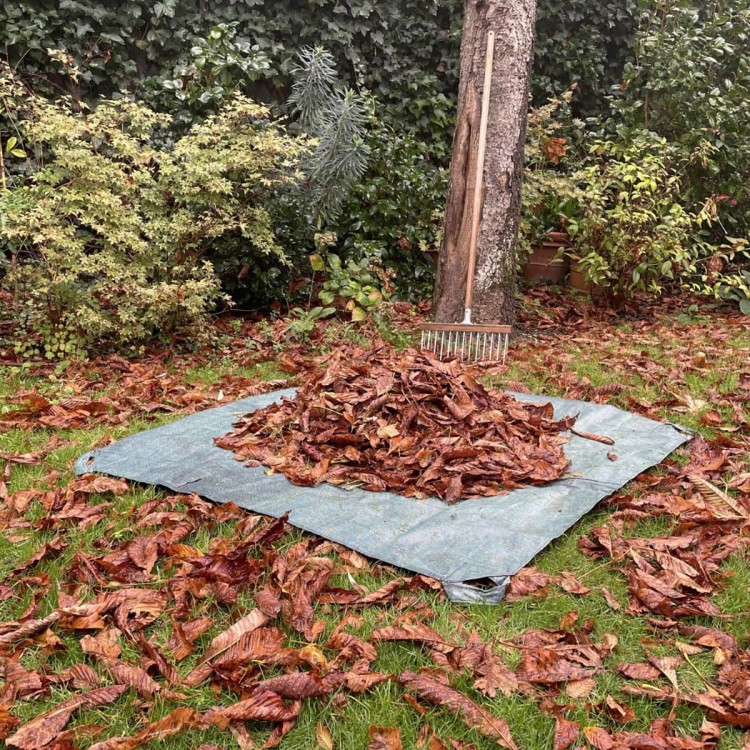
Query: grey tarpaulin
{"points": [[489, 538]]}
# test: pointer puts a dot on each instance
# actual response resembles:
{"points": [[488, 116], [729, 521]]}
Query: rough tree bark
{"points": [[494, 301]]}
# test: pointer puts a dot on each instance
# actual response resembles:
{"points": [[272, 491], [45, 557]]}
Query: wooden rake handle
{"points": [[479, 179]]}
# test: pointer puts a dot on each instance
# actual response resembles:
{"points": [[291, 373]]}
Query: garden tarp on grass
{"points": [[487, 539]]}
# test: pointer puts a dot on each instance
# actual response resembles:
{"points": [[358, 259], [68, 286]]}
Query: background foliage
{"points": [[109, 236], [383, 75], [404, 51]]}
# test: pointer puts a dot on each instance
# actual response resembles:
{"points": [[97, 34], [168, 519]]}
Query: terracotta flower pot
{"points": [[577, 278], [544, 265]]}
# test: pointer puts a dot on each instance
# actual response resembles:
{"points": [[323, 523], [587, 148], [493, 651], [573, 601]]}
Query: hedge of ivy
{"points": [[405, 51]]}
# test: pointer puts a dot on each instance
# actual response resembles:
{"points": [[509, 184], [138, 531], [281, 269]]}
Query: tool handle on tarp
{"points": [[479, 180]]}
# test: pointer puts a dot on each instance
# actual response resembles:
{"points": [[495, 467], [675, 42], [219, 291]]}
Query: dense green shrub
{"points": [[109, 234], [395, 212], [391, 217], [631, 233], [690, 83]]}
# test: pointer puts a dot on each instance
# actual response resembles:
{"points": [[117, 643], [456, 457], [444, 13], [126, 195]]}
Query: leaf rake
{"points": [[465, 340]]}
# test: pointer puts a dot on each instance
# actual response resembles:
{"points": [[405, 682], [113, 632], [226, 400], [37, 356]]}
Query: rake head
{"points": [[467, 342]]}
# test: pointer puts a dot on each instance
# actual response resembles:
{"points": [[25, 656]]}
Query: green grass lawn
{"points": [[684, 368]]}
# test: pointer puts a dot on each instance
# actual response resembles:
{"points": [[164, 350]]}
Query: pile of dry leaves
{"points": [[404, 422]]}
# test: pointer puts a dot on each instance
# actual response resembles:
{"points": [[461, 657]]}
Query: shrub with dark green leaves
{"points": [[395, 212], [109, 234], [185, 56], [690, 83]]}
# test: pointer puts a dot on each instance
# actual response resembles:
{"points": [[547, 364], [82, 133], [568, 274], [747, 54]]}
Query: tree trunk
{"points": [[513, 22]]}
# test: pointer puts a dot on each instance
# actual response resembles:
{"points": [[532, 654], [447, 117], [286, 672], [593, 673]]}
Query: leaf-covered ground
{"points": [[130, 617]]}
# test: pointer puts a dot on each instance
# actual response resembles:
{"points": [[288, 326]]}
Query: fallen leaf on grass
{"points": [[598, 738], [495, 676], [547, 666], [296, 686], [99, 484], [280, 731], [569, 583], [19, 682], [667, 665], [173, 723], [566, 733], [351, 648], [105, 643], [50, 549], [43, 729], [385, 738], [526, 582], [578, 689], [8, 722], [262, 705], [166, 668], [619, 712], [229, 637], [132, 676], [28, 629], [323, 737], [721, 504], [639, 671], [432, 691], [80, 676], [610, 599], [261, 645], [416, 632], [181, 642]]}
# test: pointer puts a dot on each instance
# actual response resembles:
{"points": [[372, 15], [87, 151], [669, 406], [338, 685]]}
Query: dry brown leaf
{"points": [[105, 643], [296, 686], [721, 504], [569, 583], [19, 682], [432, 691], [667, 665], [323, 737], [496, 677], [599, 738], [251, 621], [385, 738], [617, 711], [578, 689], [592, 436], [436, 743], [639, 671], [43, 729], [132, 676], [566, 733], [262, 705], [527, 581], [417, 632], [173, 723], [28, 629]]}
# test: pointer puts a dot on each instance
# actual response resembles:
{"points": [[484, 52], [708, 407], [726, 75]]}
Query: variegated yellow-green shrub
{"points": [[108, 232]]}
